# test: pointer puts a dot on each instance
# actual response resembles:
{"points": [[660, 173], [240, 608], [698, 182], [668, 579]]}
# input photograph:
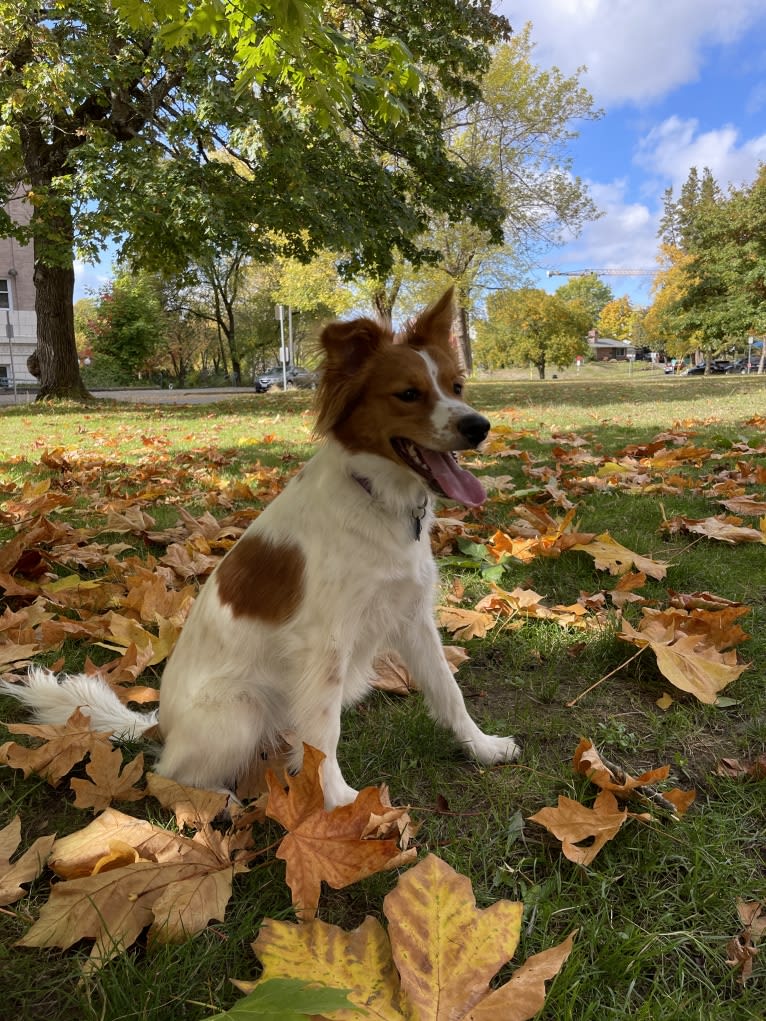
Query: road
{"points": [[206, 396]]}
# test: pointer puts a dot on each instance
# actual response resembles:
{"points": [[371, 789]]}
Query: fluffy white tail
{"points": [[53, 700]]}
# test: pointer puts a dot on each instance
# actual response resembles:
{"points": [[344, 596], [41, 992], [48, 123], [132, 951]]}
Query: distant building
{"points": [[18, 322], [604, 348]]}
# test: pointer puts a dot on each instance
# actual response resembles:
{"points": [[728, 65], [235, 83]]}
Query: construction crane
{"points": [[601, 272]]}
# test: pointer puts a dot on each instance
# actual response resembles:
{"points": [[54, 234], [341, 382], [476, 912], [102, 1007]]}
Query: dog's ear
{"points": [[348, 347], [434, 324]]}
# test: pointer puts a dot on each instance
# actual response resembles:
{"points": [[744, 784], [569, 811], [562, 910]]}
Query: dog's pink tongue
{"points": [[455, 481]]}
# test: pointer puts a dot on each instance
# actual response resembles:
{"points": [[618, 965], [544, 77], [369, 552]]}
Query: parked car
{"points": [[716, 368], [740, 365], [296, 376]]}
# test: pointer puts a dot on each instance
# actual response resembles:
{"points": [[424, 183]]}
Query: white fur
{"points": [[235, 683]]}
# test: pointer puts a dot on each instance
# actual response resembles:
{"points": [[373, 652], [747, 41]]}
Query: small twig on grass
{"points": [[605, 678], [647, 793]]}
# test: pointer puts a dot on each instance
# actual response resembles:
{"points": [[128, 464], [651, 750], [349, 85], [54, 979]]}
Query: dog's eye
{"points": [[457, 388], [409, 395]]}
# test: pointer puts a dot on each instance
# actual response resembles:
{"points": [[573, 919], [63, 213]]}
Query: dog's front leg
{"points": [[420, 646], [316, 720]]}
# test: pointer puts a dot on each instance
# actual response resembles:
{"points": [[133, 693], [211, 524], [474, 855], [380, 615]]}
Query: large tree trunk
{"points": [[56, 348], [54, 307]]}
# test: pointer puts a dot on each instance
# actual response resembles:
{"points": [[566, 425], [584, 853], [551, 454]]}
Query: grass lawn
{"points": [[657, 907]]}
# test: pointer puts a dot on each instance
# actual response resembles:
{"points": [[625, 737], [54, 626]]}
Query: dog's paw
{"points": [[489, 750]]}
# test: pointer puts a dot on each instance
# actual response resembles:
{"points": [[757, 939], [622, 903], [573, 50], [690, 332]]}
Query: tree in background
{"points": [[529, 326], [519, 132], [616, 319], [589, 292], [127, 328], [112, 116], [711, 294]]}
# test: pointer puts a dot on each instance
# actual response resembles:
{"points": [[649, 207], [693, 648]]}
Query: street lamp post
{"points": [[749, 352]]}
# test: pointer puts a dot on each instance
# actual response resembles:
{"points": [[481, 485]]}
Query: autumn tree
{"points": [[112, 117], [519, 133], [616, 318], [712, 293], [589, 291], [529, 326]]}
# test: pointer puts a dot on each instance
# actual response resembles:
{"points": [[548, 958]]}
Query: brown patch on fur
{"points": [[262, 579]]}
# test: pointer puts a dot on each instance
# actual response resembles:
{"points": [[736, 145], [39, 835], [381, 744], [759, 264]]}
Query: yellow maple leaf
{"points": [[436, 962], [465, 624], [610, 555]]}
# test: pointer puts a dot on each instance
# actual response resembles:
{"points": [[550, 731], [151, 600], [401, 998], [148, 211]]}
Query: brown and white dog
{"points": [[336, 570]]}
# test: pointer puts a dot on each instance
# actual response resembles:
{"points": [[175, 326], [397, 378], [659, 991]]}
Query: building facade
{"points": [[18, 322]]}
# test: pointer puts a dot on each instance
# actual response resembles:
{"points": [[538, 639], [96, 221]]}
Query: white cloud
{"points": [[676, 145], [634, 50], [625, 237]]}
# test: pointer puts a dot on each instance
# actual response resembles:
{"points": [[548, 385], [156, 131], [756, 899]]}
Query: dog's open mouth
{"points": [[442, 472]]}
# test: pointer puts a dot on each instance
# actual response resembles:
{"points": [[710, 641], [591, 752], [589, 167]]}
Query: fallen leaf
{"points": [[571, 823], [64, 745], [609, 555], [26, 868], [465, 624], [109, 781], [328, 846], [175, 886], [436, 963]]}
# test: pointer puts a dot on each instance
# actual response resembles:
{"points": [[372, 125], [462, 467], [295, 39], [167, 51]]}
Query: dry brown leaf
{"points": [[328, 846], [26, 867], [130, 875], [752, 914], [571, 823], [392, 675], [192, 806], [720, 527], [609, 555], [109, 781], [465, 624], [63, 747], [688, 647], [735, 769]]}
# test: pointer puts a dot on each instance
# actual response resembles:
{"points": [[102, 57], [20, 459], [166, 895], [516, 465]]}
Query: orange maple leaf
{"points": [[330, 846]]}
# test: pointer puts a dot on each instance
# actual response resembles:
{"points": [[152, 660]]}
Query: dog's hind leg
{"points": [[211, 745], [420, 646]]}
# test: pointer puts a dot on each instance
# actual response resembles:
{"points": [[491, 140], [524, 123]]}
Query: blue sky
{"points": [[682, 83]]}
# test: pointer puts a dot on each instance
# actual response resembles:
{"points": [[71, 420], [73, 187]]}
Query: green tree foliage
{"points": [[114, 120], [529, 326], [128, 324], [589, 291], [519, 132], [712, 293]]}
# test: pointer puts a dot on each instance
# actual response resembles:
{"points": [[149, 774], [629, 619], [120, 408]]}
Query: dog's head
{"points": [[402, 398]]}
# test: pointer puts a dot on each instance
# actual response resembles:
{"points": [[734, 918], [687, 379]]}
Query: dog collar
{"points": [[417, 515]]}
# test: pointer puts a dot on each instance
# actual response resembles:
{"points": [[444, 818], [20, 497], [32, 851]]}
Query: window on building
{"points": [[5, 294]]}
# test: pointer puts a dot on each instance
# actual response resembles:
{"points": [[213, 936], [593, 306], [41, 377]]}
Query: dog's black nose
{"points": [[474, 428]]}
